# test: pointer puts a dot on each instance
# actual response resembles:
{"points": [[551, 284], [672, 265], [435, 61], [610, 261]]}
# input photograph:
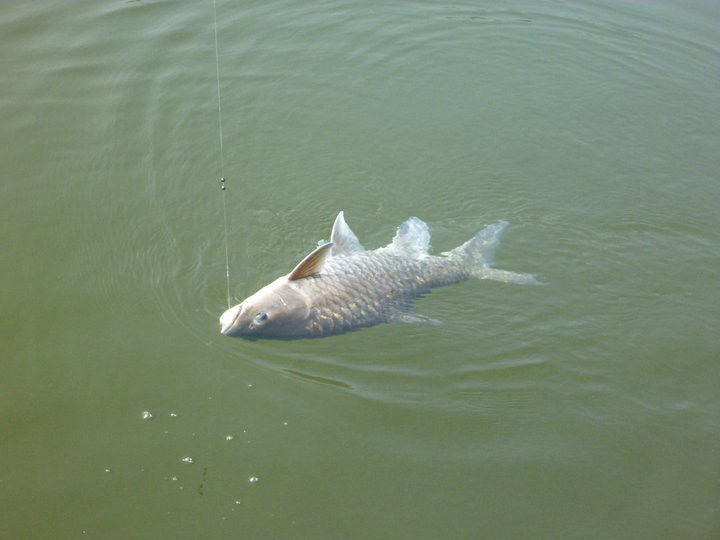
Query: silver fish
{"points": [[341, 287]]}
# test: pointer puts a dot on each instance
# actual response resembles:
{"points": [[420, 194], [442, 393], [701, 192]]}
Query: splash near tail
{"points": [[478, 253]]}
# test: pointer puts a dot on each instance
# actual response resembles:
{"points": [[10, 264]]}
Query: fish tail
{"points": [[478, 255]]}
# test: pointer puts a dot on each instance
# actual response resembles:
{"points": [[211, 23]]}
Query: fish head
{"points": [[278, 310]]}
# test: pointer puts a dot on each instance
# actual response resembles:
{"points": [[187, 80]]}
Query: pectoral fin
{"points": [[312, 264]]}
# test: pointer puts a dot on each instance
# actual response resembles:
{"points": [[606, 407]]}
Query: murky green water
{"points": [[584, 408]]}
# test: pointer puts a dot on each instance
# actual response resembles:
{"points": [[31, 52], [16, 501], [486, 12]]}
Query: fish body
{"points": [[340, 286]]}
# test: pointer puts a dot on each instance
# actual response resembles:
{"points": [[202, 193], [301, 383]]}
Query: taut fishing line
{"points": [[222, 159]]}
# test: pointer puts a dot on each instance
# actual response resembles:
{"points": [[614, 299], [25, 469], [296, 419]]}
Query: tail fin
{"points": [[478, 255]]}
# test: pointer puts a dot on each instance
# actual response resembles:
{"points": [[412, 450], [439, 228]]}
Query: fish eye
{"points": [[260, 317]]}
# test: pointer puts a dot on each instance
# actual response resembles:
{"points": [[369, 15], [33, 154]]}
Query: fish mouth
{"points": [[228, 319]]}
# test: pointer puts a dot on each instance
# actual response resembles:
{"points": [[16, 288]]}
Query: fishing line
{"points": [[222, 158]]}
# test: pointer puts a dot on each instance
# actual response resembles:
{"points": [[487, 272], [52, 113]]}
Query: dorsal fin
{"points": [[344, 240], [312, 264], [412, 239]]}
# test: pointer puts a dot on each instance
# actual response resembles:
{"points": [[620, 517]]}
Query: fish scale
{"points": [[378, 286]]}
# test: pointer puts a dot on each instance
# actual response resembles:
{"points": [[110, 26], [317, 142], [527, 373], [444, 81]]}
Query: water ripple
{"points": [[277, 212]]}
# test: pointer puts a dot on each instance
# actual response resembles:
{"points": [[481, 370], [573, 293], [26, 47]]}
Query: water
{"points": [[586, 407]]}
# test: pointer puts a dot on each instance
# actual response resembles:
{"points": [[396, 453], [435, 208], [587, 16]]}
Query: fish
{"points": [[340, 286]]}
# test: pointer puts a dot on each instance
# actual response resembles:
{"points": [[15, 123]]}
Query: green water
{"points": [[587, 407]]}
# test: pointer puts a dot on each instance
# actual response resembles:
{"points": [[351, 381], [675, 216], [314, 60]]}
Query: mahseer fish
{"points": [[340, 286]]}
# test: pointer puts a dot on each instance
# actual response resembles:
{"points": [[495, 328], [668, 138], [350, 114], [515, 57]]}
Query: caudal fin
{"points": [[478, 254]]}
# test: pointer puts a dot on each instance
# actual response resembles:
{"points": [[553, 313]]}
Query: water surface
{"points": [[586, 407]]}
